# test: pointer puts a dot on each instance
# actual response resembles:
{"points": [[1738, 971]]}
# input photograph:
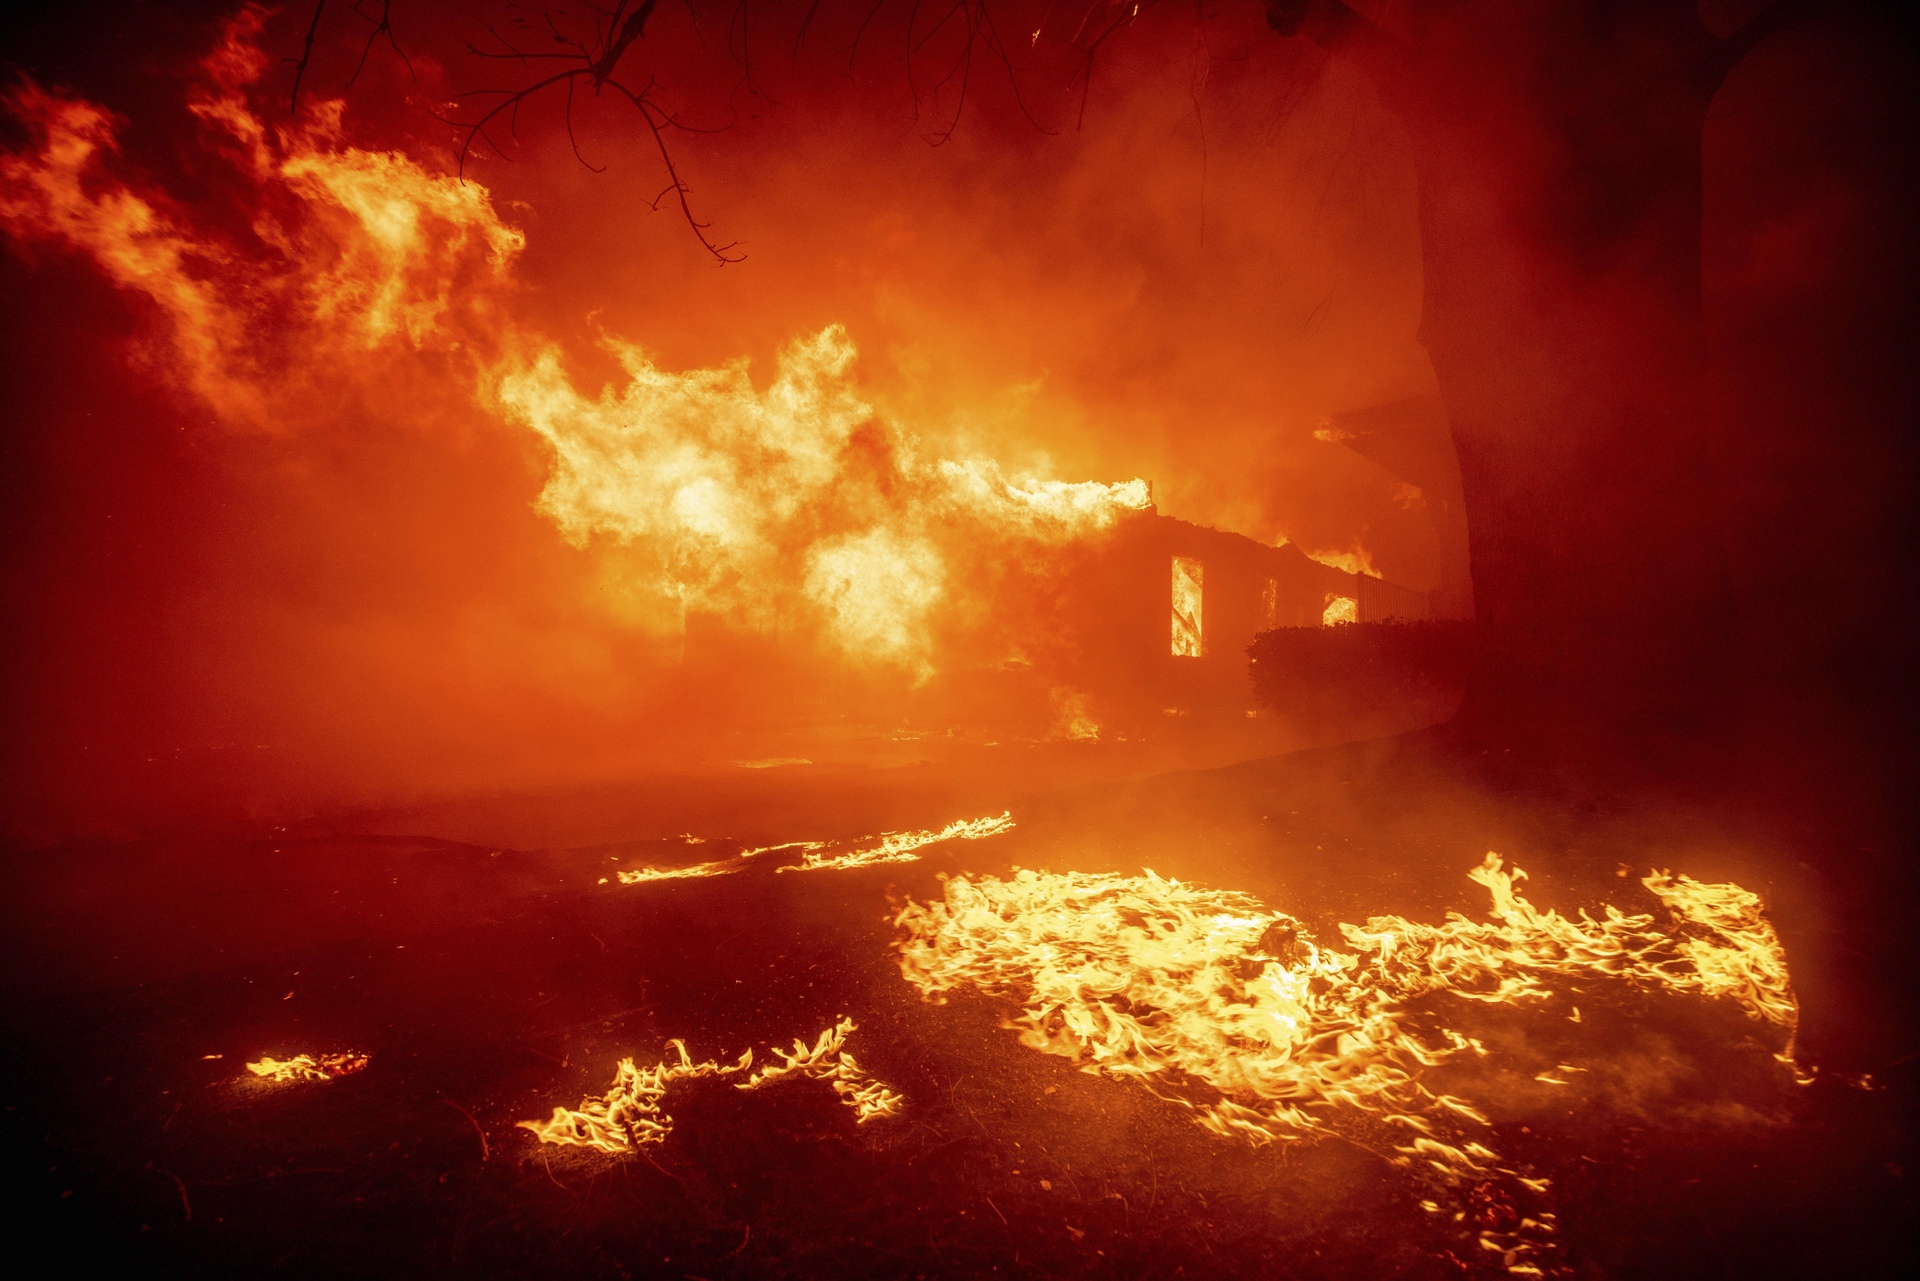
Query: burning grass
{"points": [[1214, 1001], [902, 847], [305, 1067], [892, 847], [1230, 1007], [629, 1115]]}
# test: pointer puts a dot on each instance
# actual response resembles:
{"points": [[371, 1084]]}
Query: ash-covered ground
{"points": [[475, 953]]}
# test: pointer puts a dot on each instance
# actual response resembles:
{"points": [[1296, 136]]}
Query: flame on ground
{"points": [[306, 1067], [1212, 1000], [827, 1061], [717, 867], [901, 847], [893, 847], [1228, 1006], [629, 1114]]}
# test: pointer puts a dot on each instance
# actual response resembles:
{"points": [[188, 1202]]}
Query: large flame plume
{"points": [[367, 278]]}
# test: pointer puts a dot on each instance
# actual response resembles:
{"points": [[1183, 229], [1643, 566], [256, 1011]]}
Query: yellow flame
{"points": [[718, 867], [306, 1067], [877, 589], [1736, 954], [1227, 1006], [1355, 560], [900, 847], [629, 1115], [1340, 609], [1189, 578], [826, 1060]]}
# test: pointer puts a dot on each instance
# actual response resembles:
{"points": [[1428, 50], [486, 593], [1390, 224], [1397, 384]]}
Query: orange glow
{"points": [[792, 504]]}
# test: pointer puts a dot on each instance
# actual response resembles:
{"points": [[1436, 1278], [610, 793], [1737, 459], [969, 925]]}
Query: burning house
{"points": [[1165, 610]]}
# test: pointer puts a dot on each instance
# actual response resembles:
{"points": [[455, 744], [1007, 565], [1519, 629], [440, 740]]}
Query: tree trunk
{"points": [[1558, 151]]}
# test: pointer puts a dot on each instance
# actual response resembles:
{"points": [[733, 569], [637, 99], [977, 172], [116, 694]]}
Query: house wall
{"points": [[1122, 608]]}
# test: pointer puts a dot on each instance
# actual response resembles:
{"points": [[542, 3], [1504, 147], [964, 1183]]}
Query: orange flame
{"points": [[1158, 981], [1340, 609], [1354, 560], [900, 847], [1216, 1002], [792, 504], [306, 1067], [629, 1114]]}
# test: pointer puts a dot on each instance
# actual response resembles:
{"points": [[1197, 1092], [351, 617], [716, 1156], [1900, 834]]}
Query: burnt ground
{"points": [[473, 952]]}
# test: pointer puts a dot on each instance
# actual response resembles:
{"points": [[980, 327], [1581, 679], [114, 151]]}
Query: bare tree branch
{"points": [[722, 254], [630, 31], [593, 64], [383, 27], [306, 56]]}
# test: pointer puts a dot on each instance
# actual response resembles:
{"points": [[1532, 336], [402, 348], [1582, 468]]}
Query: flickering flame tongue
{"points": [[629, 1114], [306, 1067]]}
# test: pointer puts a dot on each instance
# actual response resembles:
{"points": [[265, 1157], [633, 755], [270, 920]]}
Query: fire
{"points": [[1340, 609], [367, 277], [795, 501], [892, 847], [900, 847], [1354, 560], [1736, 954], [717, 867], [827, 1060], [629, 1114], [306, 1067], [1189, 641], [363, 259], [1212, 999]]}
